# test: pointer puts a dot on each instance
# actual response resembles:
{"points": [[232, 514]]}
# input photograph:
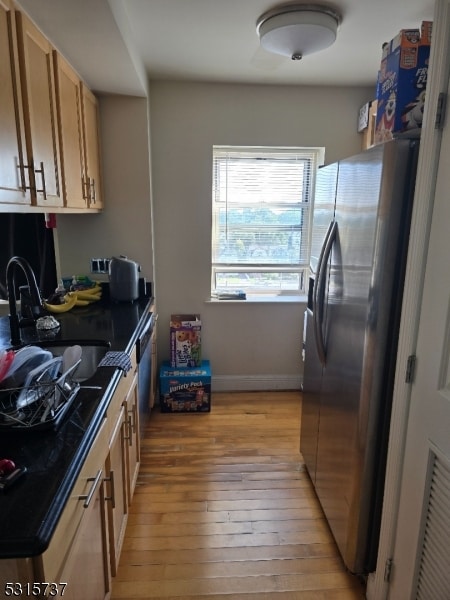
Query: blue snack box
{"points": [[185, 390], [402, 82]]}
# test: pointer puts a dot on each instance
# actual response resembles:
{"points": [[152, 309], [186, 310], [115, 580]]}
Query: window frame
{"points": [[315, 156]]}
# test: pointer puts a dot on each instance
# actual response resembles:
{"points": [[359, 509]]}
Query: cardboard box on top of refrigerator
{"points": [[402, 81], [185, 341], [185, 390]]}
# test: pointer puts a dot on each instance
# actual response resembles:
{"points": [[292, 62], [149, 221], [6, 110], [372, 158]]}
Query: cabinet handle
{"points": [[129, 437], [134, 415], [92, 187], [31, 178], [110, 479], [42, 172], [21, 168], [84, 188], [95, 481]]}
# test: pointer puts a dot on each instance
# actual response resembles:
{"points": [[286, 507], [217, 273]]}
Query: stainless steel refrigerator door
{"points": [[323, 216], [312, 384], [370, 197], [324, 203], [315, 353]]}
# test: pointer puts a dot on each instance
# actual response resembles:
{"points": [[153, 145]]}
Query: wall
{"points": [[251, 346], [125, 226]]}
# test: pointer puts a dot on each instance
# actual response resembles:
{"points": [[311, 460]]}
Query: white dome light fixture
{"points": [[295, 30]]}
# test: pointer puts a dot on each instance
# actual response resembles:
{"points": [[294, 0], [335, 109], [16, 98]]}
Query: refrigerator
{"points": [[360, 233]]}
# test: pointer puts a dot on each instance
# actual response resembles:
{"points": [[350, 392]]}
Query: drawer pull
{"points": [[42, 172], [134, 421], [84, 188], [95, 481], [92, 189], [112, 497], [22, 168], [129, 427]]}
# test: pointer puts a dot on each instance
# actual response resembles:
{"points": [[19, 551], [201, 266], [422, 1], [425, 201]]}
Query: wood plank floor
{"points": [[224, 510]]}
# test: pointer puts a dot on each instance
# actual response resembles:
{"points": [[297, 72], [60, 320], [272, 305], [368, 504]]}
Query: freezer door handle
{"points": [[319, 291]]}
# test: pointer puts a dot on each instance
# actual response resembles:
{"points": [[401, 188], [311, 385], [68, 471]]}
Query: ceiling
{"points": [[117, 45]]}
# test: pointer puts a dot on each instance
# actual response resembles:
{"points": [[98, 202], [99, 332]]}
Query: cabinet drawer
{"points": [[90, 478]]}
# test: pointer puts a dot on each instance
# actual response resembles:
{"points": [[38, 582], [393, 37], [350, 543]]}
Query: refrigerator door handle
{"points": [[317, 319], [319, 291], [315, 298]]}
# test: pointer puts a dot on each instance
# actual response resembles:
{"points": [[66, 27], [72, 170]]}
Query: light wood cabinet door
{"points": [[132, 437], [70, 124], [12, 143], [39, 103], [86, 569], [78, 553], [154, 371], [116, 487], [92, 147]]}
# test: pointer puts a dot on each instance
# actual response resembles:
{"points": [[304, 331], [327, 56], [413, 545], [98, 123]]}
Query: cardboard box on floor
{"points": [[185, 390], [185, 341]]}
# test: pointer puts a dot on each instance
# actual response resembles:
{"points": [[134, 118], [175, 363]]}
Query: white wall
{"points": [[125, 225], [249, 345]]}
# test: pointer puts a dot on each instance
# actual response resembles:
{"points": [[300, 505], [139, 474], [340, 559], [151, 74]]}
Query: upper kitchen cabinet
{"points": [[39, 106], [68, 95], [78, 137], [12, 141], [49, 142], [89, 110]]}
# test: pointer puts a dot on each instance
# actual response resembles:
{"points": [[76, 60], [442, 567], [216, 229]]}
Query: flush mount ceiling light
{"points": [[295, 30]]}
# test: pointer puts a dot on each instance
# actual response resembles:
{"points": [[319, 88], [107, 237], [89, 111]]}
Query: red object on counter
{"points": [[6, 359], [50, 220], [7, 466]]}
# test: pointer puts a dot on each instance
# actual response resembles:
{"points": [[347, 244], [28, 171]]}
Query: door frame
{"points": [[438, 79]]}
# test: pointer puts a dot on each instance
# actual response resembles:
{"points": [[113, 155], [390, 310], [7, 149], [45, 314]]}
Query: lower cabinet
{"points": [[122, 461], [79, 544], [86, 568], [117, 502], [154, 371], [132, 437]]}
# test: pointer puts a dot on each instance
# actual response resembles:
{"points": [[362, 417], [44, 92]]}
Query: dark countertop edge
{"points": [[36, 546]]}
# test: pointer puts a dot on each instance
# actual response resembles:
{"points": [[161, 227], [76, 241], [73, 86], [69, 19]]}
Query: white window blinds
{"points": [[261, 218]]}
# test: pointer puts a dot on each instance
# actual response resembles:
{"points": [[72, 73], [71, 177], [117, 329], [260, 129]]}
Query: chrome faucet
{"points": [[37, 308]]}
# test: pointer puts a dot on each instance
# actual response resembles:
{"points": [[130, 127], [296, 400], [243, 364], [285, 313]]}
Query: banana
{"points": [[79, 302], [73, 297], [93, 294], [78, 298], [61, 308], [86, 296], [92, 290]]}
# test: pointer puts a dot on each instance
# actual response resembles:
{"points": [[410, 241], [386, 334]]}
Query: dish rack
{"points": [[42, 403]]}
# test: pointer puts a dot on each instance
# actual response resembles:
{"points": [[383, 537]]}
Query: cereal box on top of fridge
{"points": [[402, 82], [185, 341]]}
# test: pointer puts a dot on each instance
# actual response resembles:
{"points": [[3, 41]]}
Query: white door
{"points": [[421, 559]]}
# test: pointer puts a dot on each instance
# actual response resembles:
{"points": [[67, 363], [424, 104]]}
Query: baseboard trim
{"points": [[253, 383]]}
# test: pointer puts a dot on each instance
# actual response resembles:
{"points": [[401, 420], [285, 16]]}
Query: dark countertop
{"points": [[31, 507]]}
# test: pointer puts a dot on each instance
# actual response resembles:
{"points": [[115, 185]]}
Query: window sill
{"points": [[262, 300]]}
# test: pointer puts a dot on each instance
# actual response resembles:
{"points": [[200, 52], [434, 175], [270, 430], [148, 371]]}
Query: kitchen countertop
{"points": [[31, 507]]}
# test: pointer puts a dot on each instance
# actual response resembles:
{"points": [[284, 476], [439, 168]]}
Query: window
{"points": [[261, 218]]}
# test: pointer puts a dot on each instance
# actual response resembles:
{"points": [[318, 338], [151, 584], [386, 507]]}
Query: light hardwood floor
{"points": [[224, 510]]}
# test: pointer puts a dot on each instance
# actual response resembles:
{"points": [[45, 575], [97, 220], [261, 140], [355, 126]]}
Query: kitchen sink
{"points": [[92, 353], [44, 394]]}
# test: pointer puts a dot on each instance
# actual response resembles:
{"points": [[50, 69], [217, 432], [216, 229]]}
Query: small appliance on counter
{"points": [[123, 279]]}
